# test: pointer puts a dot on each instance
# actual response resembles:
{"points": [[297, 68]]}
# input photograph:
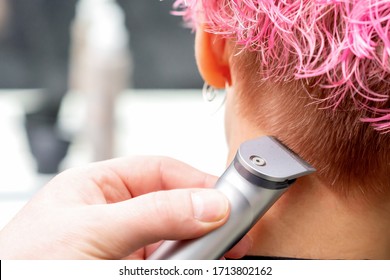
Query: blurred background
{"points": [[88, 80]]}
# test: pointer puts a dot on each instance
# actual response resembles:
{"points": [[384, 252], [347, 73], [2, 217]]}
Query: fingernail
{"points": [[209, 205]]}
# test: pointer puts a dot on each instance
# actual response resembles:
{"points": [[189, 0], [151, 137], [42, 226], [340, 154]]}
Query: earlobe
{"points": [[212, 58]]}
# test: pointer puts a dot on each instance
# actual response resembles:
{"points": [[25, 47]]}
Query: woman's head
{"points": [[315, 73]]}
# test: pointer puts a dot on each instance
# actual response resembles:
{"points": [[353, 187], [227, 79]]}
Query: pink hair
{"points": [[342, 45]]}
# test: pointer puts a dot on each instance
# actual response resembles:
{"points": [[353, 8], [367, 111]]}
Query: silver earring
{"points": [[209, 92], [214, 97]]}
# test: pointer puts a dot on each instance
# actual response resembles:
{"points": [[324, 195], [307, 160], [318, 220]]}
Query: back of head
{"points": [[315, 74]]}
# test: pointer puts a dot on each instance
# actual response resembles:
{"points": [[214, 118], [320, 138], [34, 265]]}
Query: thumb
{"points": [[163, 215]]}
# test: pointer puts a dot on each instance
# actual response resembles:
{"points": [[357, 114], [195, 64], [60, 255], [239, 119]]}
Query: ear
{"points": [[212, 57]]}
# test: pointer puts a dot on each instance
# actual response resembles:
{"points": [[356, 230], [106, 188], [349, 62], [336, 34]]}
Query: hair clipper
{"points": [[262, 170]]}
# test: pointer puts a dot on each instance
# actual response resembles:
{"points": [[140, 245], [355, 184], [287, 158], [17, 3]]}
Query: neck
{"points": [[310, 221]]}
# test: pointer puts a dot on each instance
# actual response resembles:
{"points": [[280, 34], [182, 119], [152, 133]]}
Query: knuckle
{"points": [[174, 211], [164, 206]]}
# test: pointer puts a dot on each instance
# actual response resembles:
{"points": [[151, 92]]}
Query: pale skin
{"points": [[117, 209], [309, 221]]}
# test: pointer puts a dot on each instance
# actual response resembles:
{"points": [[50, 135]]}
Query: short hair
{"points": [[331, 54]]}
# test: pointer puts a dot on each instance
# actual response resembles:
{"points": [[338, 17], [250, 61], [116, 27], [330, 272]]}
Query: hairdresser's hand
{"points": [[114, 210]]}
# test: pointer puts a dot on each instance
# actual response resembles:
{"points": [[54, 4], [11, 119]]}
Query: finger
{"points": [[166, 215], [148, 174], [240, 249], [123, 178]]}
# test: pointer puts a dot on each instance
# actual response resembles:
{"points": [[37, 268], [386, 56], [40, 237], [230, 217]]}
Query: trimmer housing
{"points": [[262, 170]]}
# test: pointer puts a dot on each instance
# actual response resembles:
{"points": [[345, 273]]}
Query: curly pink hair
{"points": [[341, 45]]}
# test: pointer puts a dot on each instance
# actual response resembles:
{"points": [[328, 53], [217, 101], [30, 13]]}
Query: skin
{"points": [[108, 210], [117, 209], [309, 221]]}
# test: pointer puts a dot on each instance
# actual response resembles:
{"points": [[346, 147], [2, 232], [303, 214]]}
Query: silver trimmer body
{"points": [[262, 170]]}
